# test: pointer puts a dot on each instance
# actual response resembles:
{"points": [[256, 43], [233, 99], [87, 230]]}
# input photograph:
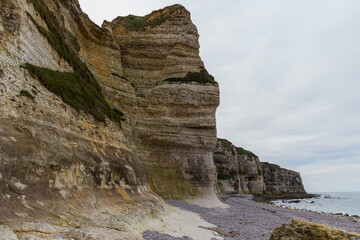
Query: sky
{"points": [[289, 76]]}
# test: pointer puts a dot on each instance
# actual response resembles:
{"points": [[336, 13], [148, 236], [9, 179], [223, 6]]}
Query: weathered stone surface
{"points": [[304, 230], [279, 180], [171, 127], [7, 233], [60, 166], [240, 171]]}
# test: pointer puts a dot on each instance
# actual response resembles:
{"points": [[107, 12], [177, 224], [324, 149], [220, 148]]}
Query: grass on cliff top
{"points": [[136, 23], [202, 77], [78, 89], [227, 145], [272, 167], [241, 151]]}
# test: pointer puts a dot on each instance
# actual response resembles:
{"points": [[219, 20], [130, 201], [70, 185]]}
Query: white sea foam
{"points": [[345, 203]]}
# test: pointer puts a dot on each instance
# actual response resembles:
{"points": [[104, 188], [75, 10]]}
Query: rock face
{"points": [[97, 122], [172, 126], [240, 171], [304, 230]]}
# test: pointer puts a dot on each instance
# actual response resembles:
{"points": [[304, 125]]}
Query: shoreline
{"points": [[289, 196], [249, 219]]}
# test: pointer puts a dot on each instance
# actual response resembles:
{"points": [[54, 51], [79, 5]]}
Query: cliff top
{"points": [[155, 18]]}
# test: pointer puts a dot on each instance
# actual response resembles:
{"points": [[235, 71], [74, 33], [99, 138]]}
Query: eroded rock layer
{"points": [[97, 122], [240, 171], [172, 127]]}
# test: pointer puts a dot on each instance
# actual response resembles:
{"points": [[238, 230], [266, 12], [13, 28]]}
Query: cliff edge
{"points": [[240, 171]]}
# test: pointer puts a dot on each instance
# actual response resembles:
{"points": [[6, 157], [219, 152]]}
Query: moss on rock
{"points": [[305, 230], [136, 23], [202, 77]]}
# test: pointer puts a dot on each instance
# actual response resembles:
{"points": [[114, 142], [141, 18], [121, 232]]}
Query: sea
{"points": [[339, 202]]}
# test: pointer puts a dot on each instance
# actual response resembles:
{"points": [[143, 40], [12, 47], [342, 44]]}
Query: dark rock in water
{"points": [[312, 202], [295, 201]]}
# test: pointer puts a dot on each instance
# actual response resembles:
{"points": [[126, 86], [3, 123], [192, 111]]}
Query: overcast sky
{"points": [[289, 75]]}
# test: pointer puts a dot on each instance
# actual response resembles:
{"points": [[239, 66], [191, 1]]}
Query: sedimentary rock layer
{"points": [[240, 171], [172, 127], [97, 122]]}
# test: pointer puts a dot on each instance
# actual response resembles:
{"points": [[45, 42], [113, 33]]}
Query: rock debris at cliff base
{"points": [[246, 219]]}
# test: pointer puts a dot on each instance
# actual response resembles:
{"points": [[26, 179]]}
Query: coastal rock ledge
{"points": [[305, 230]]}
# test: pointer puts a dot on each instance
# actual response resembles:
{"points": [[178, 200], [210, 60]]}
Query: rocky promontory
{"points": [[241, 171]]}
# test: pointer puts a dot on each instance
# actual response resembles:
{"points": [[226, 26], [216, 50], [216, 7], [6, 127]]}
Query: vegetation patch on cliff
{"points": [[241, 151], [136, 23], [202, 77], [79, 88], [272, 167], [76, 92], [223, 176], [26, 93]]}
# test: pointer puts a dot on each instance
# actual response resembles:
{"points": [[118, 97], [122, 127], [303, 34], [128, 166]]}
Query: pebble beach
{"points": [[247, 219]]}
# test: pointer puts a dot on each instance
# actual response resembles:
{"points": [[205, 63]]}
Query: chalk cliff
{"points": [[97, 122], [240, 171]]}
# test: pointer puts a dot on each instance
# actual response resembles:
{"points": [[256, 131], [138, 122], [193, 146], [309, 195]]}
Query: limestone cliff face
{"points": [[172, 126], [240, 171], [96, 121]]}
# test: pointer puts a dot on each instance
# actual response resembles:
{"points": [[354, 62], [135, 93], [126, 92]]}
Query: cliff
{"points": [[172, 126], [240, 171], [97, 122]]}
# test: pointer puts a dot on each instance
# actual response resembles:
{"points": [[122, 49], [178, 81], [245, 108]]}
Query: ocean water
{"points": [[345, 203]]}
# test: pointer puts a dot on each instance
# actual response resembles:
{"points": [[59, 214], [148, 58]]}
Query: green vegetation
{"points": [[136, 23], [219, 153], [76, 92], [26, 93], [201, 77], [57, 4], [1, 73], [241, 151], [227, 145], [79, 88], [272, 167], [73, 41], [223, 176]]}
